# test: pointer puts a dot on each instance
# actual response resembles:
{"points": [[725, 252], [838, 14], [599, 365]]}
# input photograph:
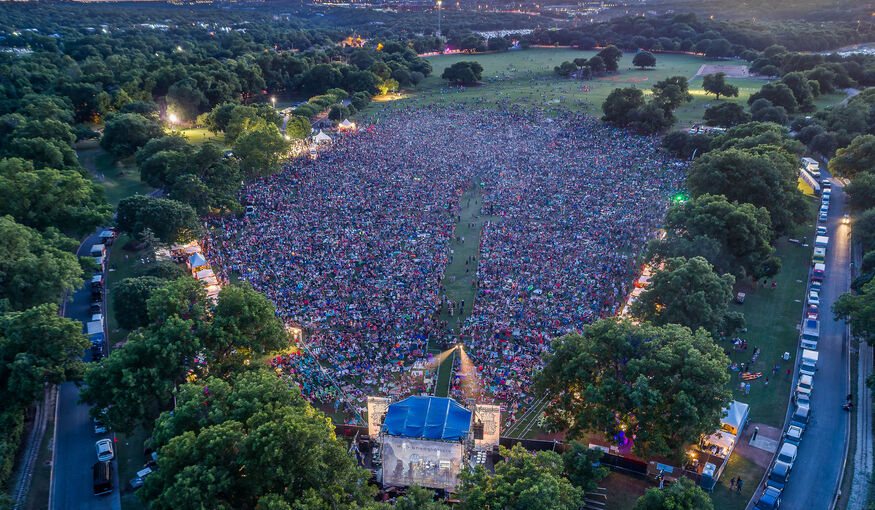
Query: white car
{"points": [[813, 298], [822, 217], [787, 453], [805, 385], [846, 219], [104, 450], [793, 435], [821, 230]]}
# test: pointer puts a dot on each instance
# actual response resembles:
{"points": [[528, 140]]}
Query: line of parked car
{"points": [[779, 474]]}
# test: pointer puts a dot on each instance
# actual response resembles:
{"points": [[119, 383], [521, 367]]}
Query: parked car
{"points": [[99, 427], [769, 500], [104, 450], [801, 416], [812, 312], [102, 473], [822, 217], [793, 435], [813, 298], [802, 399], [816, 286], [779, 475], [805, 385], [821, 230], [787, 453]]}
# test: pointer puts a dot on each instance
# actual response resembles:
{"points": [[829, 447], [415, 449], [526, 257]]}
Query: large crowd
{"points": [[353, 245]]}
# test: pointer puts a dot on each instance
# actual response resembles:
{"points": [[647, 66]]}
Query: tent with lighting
{"points": [[321, 137], [346, 124]]}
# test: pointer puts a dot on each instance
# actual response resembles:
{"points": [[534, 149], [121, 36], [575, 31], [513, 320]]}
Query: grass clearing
{"points": [[120, 179], [129, 452], [197, 136], [121, 264], [772, 315], [751, 474], [624, 490]]}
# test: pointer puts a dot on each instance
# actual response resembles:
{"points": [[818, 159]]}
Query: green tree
{"points": [[861, 192], [418, 498], [621, 104], [735, 238], [779, 94], [582, 466], [229, 443], [686, 292], [565, 69], [726, 115], [764, 176], [858, 310], [171, 221], [35, 267], [523, 481], [864, 229], [259, 147], [854, 159], [129, 299], [46, 197], [651, 118], [683, 495], [644, 59], [298, 127], [610, 55], [671, 92], [164, 270], [127, 132], [463, 72], [626, 383], [244, 319], [716, 84], [37, 346]]}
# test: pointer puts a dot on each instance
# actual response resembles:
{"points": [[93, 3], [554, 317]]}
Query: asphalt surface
{"points": [[814, 478], [74, 439]]}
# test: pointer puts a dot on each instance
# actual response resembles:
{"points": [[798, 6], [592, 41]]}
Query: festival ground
{"points": [[526, 77]]}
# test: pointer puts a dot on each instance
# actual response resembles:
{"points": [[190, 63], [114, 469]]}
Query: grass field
{"points": [[526, 78], [197, 136], [129, 452], [119, 179]]}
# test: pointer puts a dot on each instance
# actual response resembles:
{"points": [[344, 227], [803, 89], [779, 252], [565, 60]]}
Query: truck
{"points": [[98, 250], [819, 256], [821, 242], [809, 362], [811, 166], [810, 334], [818, 273], [94, 330]]}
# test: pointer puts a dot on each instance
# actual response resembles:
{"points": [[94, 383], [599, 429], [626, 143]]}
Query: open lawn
{"points": [[750, 473], [772, 315], [197, 136], [129, 452], [526, 78], [119, 179], [122, 264]]}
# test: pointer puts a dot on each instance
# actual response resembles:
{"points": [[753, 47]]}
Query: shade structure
{"points": [[736, 417], [435, 418], [197, 260], [321, 137]]}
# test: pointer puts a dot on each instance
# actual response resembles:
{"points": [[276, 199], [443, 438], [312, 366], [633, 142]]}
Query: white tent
{"points": [[346, 124], [736, 417], [321, 137], [205, 273]]}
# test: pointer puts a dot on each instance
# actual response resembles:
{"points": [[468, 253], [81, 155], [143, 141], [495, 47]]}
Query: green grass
{"points": [[119, 179], [750, 474], [826, 100], [121, 264], [197, 136], [129, 452], [624, 490], [772, 315], [457, 283]]}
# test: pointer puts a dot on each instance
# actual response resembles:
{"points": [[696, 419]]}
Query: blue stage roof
{"points": [[428, 418]]}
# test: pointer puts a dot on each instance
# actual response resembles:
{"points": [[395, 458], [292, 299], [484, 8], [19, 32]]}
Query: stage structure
{"points": [[426, 441]]}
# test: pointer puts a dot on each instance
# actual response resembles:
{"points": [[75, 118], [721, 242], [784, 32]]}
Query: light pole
{"points": [[273, 100], [439, 2], [173, 120]]}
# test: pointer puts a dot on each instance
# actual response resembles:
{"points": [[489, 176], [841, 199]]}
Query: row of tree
{"points": [[627, 107]]}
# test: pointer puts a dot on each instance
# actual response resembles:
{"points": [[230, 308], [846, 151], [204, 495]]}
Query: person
{"points": [[732, 483], [738, 484]]}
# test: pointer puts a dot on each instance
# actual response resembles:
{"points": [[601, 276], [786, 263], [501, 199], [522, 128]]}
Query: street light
{"points": [[173, 119], [273, 100], [439, 2]]}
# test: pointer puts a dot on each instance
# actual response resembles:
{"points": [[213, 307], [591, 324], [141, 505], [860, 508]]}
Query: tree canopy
{"points": [[644, 59], [170, 221], [688, 292], [523, 481], [716, 84], [621, 380], [463, 72], [854, 159], [682, 495], [735, 238], [127, 132]]}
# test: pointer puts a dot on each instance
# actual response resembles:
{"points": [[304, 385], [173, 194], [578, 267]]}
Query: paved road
{"points": [[74, 440], [816, 471]]}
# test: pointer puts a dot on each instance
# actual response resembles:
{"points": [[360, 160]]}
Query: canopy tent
{"points": [[735, 418], [321, 137], [346, 124], [434, 418], [204, 274], [197, 261]]}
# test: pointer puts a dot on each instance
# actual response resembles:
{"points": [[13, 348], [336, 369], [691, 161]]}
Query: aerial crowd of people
{"points": [[353, 246]]}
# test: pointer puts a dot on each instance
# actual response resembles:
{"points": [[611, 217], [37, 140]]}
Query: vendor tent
{"points": [[435, 418], [735, 418], [321, 137], [197, 262], [346, 124]]}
